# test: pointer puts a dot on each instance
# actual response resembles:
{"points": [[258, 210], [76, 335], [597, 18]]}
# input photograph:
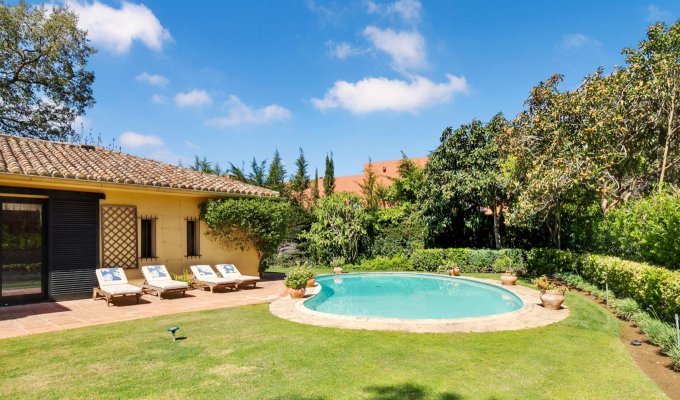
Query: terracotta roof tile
{"points": [[24, 156]]}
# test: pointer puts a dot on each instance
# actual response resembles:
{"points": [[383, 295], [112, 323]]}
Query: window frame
{"points": [[195, 239], [152, 254]]}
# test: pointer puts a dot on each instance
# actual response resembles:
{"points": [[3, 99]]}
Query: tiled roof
{"points": [[34, 157]]}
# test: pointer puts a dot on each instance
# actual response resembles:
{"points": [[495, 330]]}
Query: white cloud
{"points": [[408, 10], [168, 156], [134, 140], [193, 98], [343, 50], [407, 49], [152, 79], [241, 114], [116, 28], [158, 99], [382, 94], [191, 145], [656, 14], [82, 122], [577, 41]]}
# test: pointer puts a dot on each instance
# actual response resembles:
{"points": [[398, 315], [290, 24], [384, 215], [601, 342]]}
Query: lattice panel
{"points": [[119, 236]]}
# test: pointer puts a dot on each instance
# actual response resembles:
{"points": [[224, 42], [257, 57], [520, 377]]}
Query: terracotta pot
{"points": [[296, 293], [455, 272], [508, 279], [552, 299], [311, 282], [337, 270]]}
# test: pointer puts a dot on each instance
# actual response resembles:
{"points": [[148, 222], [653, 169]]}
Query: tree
{"points": [[277, 173], [44, 83], [655, 65], [406, 187], [370, 188], [315, 187], [205, 166], [339, 228], [237, 173], [329, 176], [300, 180], [463, 176], [246, 223], [257, 172]]}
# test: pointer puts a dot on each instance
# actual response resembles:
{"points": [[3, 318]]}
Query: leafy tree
{"points": [[300, 180], [315, 187], [329, 176], [44, 83], [277, 173], [246, 223], [655, 66], [339, 228], [370, 188], [463, 176], [406, 187], [237, 173], [205, 166], [257, 172]]}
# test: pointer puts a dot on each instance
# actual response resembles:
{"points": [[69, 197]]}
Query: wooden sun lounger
{"points": [[205, 277], [159, 282], [114, 283]]}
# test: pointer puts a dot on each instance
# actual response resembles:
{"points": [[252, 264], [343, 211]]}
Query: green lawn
{"points": [[246, 353]]}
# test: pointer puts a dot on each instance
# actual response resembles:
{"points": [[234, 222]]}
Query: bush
{"points": [[626, 308], [399, 262], [644, 230], [297, 278], [468, 260]]}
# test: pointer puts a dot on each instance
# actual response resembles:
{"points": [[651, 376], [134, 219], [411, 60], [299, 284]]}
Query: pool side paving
{"points": [[57, 316], [532, 315]]}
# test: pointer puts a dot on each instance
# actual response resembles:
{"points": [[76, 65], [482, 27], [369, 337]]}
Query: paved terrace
{"points": [[56, 316]]}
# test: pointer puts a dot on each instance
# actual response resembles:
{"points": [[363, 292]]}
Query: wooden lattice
{"points": [[119, 236]]}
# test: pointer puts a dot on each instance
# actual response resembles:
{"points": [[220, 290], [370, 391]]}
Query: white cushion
{"points": [[111, 276], [216, 280], [118, 289], [230, 271], [156, 273], [202, 271], [169, 285]]}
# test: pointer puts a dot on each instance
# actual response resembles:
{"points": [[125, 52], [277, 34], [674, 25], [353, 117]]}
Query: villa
{"points": [[67, 209]]}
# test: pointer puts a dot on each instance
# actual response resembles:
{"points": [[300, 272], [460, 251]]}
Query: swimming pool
{"points": [[410, 296]]}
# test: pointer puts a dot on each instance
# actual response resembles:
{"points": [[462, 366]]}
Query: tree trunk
{"points": [[496, 223], [669, 134]]}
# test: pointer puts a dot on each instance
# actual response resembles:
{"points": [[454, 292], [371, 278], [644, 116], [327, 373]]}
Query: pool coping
{"points": [[531, 315]]}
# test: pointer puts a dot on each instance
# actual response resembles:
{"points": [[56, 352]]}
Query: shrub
{"points": [[297, 278], [468, 260], [674, 354], [626, 308], [644, 230], [659, 332], [399, 262]]}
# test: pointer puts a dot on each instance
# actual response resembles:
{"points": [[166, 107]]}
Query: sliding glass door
{"points": [[22, 250]]}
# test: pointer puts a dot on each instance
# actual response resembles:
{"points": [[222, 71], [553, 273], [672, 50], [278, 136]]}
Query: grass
{"points": [[246, 353]]}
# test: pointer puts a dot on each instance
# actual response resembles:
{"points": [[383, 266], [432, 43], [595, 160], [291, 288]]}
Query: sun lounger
{"points": [[114, 283], [158, 280], [204, 276], [230, 271]]}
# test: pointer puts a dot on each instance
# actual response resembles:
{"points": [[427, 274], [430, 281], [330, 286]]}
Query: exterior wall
{"points": [[171, 207], [171, 234]]}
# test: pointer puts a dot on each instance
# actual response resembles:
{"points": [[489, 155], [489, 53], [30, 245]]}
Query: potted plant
{"points": [[552, 296], [296, 281], [454, 269], [310, 277], [337, 264], [505, 263]]}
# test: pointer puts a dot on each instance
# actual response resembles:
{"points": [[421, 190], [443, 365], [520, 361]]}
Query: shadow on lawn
{"points": [[407, 391]]}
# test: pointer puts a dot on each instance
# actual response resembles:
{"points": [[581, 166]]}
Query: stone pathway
{"points": [[56, 316], [532, 315]]}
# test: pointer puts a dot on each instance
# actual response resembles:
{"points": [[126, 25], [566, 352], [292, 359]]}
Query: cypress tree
{"points": [[329, 176], [300, 180], [315, 186], [277, 173]]}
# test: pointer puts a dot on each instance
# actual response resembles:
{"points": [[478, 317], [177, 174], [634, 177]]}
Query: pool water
{"points": [[410, 296]]}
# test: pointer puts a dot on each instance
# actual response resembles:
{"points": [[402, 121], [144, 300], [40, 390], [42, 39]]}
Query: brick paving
{"points": [[56, 316]]}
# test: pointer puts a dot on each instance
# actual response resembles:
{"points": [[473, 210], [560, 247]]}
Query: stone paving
{"points": [[532, 315], [56, 316]]}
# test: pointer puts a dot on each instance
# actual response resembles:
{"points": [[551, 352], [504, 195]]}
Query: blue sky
{"points": [[230, 80]]}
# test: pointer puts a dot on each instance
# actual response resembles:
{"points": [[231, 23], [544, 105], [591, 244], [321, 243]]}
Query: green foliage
{"points": [[297, 278], [300, 180], [398, 230], [370, 188], [242, 223], [205, 166], [545, 285], [399, 262], [462, 176], [408, 185], [315, 187], [339, 228], [660, 333], [647, 229], [276, 176], [44, 83], [468, 260], [185, 276], [626, 308], [329, 176], [504, 263], [337, 262]]}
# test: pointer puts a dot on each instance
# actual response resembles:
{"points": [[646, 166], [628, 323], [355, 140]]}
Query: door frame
{"points": [[44, 276]]}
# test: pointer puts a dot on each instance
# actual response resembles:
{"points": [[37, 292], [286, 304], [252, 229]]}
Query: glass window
{"points": [[192, 238], [148, 238]]}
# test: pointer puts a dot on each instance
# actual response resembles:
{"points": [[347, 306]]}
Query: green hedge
{"points": [[468, 260]]}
